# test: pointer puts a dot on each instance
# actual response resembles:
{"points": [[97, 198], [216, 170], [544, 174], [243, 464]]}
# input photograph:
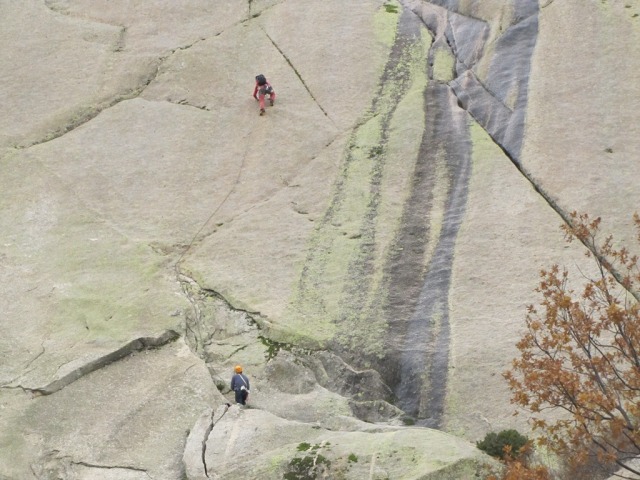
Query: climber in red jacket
{"points": [[262, 89]]}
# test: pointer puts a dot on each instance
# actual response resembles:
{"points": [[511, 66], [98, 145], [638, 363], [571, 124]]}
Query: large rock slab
{"points": [[257, 444], [583, 134], [511, 225], [73, 278], [59, 71], [127, 420]]}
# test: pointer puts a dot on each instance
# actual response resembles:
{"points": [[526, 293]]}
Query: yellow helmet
{"points": [[238, 369]]}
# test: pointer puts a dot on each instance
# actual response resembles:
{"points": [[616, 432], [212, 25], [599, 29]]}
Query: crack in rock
{"points": [[304, 84], [205, 438], [85, 115], [120, 42], [26, 369], [54, 464], [216, 416], [186, 103], [217, 295], [111, 467], [195, 451], [138, 344], [213, 316], [88, 114], [567, 219]]}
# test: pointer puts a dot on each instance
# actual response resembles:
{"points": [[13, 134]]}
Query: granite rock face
{"points": [[365, 250]]}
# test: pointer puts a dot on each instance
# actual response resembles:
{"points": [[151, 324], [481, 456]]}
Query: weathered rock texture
{"points": [[366, 249]]}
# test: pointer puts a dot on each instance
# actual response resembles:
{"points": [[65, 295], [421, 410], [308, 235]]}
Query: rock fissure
{"points": [[136, 345], [239, 349], [566, 218], [62, 11], [207, 292], [212, 422], [85, 115], [212, 293], [182, 48], [186, 103], [548, 198], [199, 326], [120, 43], [8, 386], [193, 325], [215, 210], [304, 84], [463, 100], [26, 370], [111, 467], [207, 433]]}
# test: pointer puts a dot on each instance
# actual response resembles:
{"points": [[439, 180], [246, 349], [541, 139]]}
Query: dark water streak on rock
{"points": [[423, 357], [358, 293]]}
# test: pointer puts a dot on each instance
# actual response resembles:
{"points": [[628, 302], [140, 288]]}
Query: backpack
{"points": [[261, 79]]}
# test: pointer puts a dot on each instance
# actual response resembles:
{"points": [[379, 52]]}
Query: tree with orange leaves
{"points": [[581, 355], [518, 467]]}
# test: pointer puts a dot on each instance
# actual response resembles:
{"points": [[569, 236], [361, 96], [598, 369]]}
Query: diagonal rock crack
{"points": [[87, 114], [215, 418], [138, 344], [111, 467], [195, 451], [204, 443], [295, 70]]}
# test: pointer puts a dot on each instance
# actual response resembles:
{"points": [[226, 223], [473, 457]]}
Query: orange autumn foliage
{"points": [[581, 355], [515, 470], [518, 468]]}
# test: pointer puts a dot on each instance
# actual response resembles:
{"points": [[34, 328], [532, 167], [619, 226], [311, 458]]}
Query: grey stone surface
{"points": [[365, 250], [195, 450], [130, 417], [250, 442], [582, 127]]}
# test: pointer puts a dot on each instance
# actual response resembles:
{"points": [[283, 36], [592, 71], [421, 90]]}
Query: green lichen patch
{"points": [[391, 7], [308, 467], [273, 347], [303, 447], [105, 306], [339, 296], [443, 65], [386, 25]]}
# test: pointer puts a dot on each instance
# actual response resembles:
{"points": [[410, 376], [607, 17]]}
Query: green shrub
{"points": [[309, 467], [391, 8], [407, 420], [494, 443]]}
